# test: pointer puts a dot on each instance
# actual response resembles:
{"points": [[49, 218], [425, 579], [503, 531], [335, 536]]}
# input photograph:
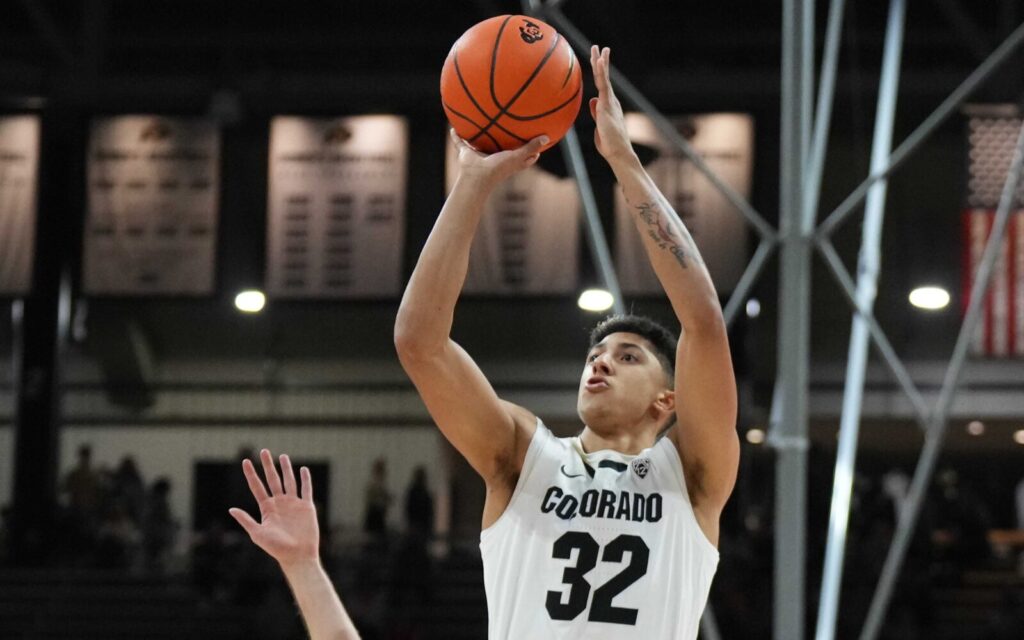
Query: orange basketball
{"points": [[508, 80]]}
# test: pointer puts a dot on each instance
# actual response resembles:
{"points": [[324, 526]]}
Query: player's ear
{"points": [[666, 400]]}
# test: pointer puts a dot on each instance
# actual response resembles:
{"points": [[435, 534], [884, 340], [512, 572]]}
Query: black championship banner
{"points": [[992, 132], [528, 238], [151, 227], [19, 164], [726, 143], [336, 206]]}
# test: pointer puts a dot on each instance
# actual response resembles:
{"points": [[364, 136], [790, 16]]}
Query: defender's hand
{"points": [[495, 167], [611, 138], [288, 530]]}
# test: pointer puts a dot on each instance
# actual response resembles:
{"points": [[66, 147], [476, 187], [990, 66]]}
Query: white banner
{"points": [[528, 239], [726, 143], [19, 166], [152, 217], [336, 206]]}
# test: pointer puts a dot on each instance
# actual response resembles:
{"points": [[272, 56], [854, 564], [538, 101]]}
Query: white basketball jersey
{"points": [[597, 545]]}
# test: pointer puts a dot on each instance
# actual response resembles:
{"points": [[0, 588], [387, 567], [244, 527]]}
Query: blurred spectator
{"points": [[159, 528], [83, 486], [961, 525], [79, 521], [117, 539], [378, 501], [128, 490], [414, 573], [419, 505]]}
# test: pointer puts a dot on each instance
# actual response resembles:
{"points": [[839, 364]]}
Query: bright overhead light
{"points": [[595, 300], [1018, 436], [755, 436], [929, 298], [753, 308], [976, 427], [250, 301]]}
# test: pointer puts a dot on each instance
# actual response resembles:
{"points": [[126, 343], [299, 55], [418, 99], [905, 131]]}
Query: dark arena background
{"points": [[209, 212]]}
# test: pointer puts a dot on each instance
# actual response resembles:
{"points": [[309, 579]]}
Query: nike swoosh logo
{"points": [[566, 474]]}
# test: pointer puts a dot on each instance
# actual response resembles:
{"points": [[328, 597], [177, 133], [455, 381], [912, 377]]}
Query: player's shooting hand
{"points": [[611, 137], [495, 167], [288, 528]]}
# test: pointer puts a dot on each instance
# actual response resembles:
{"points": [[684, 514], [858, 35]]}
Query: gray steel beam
{"points": [[867, 282], [935, 437], [747, 280], [788, 434], [631, 94], [592, 217], [925, 129], [823, 115], [882, 344]]}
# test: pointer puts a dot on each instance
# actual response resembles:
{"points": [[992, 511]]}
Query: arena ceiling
{"points": [[245, 61]]}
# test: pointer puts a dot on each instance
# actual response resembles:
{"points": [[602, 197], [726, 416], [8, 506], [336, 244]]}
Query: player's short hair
{"points": [[663, 341]]}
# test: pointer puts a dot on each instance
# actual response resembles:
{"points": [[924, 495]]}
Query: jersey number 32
{"points": [[601, 609]]}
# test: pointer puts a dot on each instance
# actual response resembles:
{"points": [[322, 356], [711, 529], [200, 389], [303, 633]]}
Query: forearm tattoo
{"points": [[676, 241]]}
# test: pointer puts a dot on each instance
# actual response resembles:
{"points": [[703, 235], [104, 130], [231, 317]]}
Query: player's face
{"points": [[621, 380]]}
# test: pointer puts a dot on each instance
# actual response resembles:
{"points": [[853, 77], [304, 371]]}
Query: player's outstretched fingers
{"points": [[288, 475], [530, 152], [307, 484], [253, 479], [244, 519], [270, 471]]}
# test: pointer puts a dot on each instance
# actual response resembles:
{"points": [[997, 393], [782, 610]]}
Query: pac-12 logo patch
{"points": [[641, 466]]}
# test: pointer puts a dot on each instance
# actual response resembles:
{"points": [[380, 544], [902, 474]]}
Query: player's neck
{"points": [[628, 442]]}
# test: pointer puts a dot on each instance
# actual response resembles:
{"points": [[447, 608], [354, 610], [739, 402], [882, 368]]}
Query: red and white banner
{"points": [[992, 134], [1001, 330]]}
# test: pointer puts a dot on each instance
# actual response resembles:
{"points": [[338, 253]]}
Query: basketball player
{"points": [[288, 531], [611, 534]]}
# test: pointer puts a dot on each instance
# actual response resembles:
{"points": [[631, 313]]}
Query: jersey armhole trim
{"points": [[681, 476], [537, 443]]}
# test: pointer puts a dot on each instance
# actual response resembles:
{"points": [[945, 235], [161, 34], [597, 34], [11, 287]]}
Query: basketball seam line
{"points": [[572, 65], [494, 60], [505, 108], [472, 122], [546, 113], [469, 94]]}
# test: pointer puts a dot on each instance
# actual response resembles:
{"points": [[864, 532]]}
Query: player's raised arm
{"points": [[705, 385], [288, 531], [487, 431]]}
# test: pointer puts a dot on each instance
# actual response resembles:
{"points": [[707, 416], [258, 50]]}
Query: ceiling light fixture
{"points": [[250, 301], [595, 300], [930, 298]]}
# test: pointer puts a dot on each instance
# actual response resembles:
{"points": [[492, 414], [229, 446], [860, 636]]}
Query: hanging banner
{"points": [[528, 239], [336, 206], [992, 133], [19, 167], [151, 225], [726, 143]]}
